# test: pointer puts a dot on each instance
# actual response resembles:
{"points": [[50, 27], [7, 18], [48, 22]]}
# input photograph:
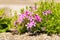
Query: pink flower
{"points": [[44, 13], [15, 23], [47, 12], [31, 24], [30, 18], [37, 18], [28, 13], [21, 18]]}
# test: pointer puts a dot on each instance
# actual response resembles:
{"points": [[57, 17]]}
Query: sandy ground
{"points": [[21, 1], [9, 36], [18, 1]]}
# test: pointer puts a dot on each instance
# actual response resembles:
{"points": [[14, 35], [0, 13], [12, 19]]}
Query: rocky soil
{"points": [[9, 36]]}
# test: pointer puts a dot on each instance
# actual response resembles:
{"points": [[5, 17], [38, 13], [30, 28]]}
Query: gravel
{"points": [[9, 36]]}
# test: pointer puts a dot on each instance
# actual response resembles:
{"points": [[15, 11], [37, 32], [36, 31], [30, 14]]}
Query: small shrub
{"points": [[47, 20], [5, 24], [49, 13], [27, 20]]}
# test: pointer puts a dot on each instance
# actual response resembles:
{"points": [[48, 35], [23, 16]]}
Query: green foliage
{"points": [[1, 12], [5, 24], [4, 21], [52, 21]]}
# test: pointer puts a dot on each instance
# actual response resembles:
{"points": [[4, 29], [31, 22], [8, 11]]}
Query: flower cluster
{"points": [[33, 19], [46, 12]]}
